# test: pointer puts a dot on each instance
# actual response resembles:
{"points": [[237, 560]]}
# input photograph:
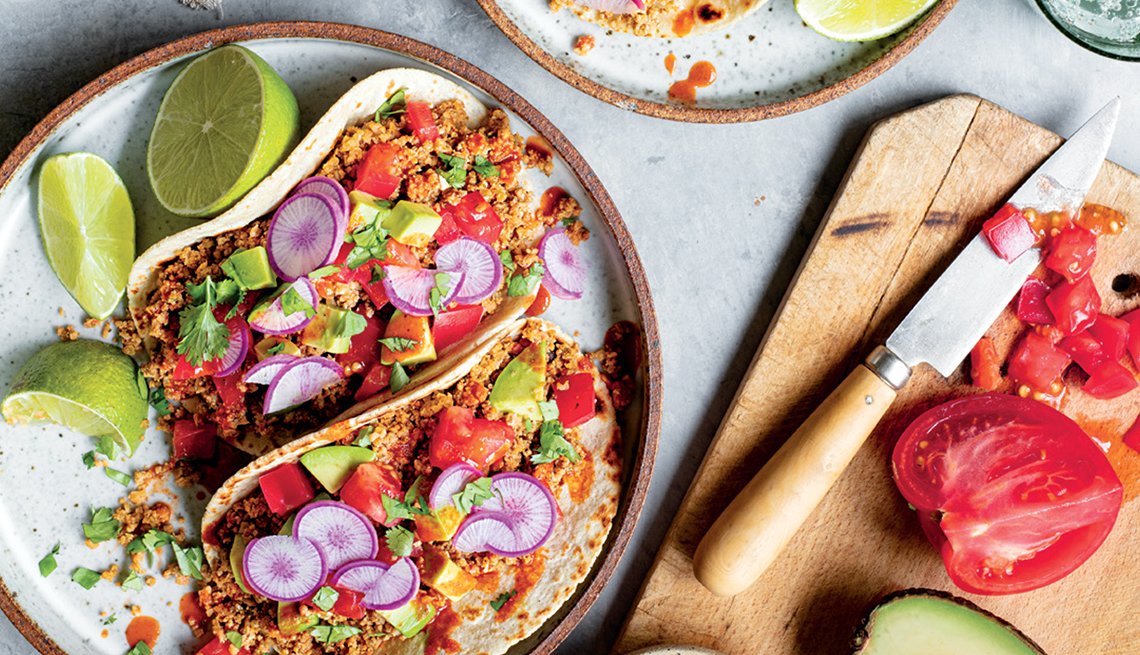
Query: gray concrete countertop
{"points": [[734, 226]]}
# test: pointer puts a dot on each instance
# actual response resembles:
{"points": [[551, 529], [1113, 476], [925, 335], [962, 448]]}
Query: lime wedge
{"points": [[225, 122], [88, 229], [860, 20], [88, 386]]}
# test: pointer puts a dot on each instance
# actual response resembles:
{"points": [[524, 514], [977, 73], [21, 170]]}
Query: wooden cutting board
{"points": [[919, 188]]}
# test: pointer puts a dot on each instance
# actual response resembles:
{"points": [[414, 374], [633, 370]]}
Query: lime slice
{"points": [[860, 20], [88, 386], [88, 229], [225, 122]]}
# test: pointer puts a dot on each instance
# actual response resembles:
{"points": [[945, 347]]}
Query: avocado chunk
{"points": [[409, 338], [444, 575], [366, 210], [438, 525], [237, 555], [332, 465], [522, 383], [412, 223], [411, 618], [250, 269], [936, 623], [290, 621], [332, 329]]}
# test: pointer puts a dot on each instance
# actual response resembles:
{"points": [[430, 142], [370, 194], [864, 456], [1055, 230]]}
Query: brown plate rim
{"points": [[650, 425], [693, 114]]}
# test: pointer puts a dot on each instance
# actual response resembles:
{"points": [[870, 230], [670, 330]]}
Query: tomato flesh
{"points": [[217, 646], [375, 381], [286, 488], [460, 437], [1036, 362], [184, 370], [1009, 233], [193, 441], [472, 217], [1133, 320], [364, 348], [1072, 253], [379, 173], [1112, 333], [451, 326], [398, 254], [1075, 305], [985, 365], [1031, 307], [1085, 350], [1109, 380], [1132, 436], [364, 487], [421, 121], [1012, 492], [576, 400]]}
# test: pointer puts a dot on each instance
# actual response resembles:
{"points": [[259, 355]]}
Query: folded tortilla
{"points": [[669, 19]]}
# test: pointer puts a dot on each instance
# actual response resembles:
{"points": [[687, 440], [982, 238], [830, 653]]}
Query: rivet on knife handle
{"points": [[762, 519]]}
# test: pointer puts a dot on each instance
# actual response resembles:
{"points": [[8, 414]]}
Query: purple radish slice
{"points": [[300, 382], [565, 267], [343, 533], [452, 481], [331, 189], [614, 6], [268, 317], [282, 568], [480, 264], [240, 338], [303, 235], [264, 371], [517, 520], [384, 587], [409, 288]]}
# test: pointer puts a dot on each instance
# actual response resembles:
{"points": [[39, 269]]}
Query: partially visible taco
{"points": [[661, 18], [395, 237], [457, 518]]}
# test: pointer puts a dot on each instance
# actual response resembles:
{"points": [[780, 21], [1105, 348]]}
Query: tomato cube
{"points": [[985, 366], [193, 441], [1072, 253], [1031, 307], [454, 324], [1075, 305], [1085, 350], [1133, 320], [575, 397], [379, 173], [375, 381], [232, 395], [1132, 436], [348, 603], [1112, 333], [217, 646], [366, 485], [1009, 233], [421, 121], [1036, 362], [1109, 380], [472, 217], [460, 437], [286, 488], [364, 348]]}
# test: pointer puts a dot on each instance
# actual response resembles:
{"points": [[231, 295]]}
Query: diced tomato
{"points": [[421, 121], [1012, 492], [286, 488], [985, 366], [1031, 307], [364, 487], [348, 603], [541, 302], [1009, 233], [1075, 305], [1037, 362], [1132, 436], [460, 437], [364, 349], [233, 398], [1085, 350], [1112, 333], [217, 646], [574, 395], [375, 381], [454, 324], [1109, 380], [398, 254], [379, 173], [472, 216], [193, 441], [1072, 252]]}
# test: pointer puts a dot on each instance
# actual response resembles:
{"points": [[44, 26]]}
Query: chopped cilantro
{"points": [[349, 325], [412, 504], [399, 540], [48, 564], [331, 634], [85, 577], [456, 172], [140, 648], [276, 349], [110, 619], [508, 260], [117, 476], [553, 444], [371, 242], [364, 437], [189, 560], [399, 377], [393, 106], [569, 220], [89, 459], [103, 526], [132, 582], [485, 167], [159, 402], [234, 637], [502, 600], [324, 271], [526, 284], [442, 286], [474, 494], [377, 274], [200, 335], [292, 302], [548, 409], [399, 344], [325, 598]]}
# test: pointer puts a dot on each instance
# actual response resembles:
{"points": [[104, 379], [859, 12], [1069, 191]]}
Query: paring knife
{"points": [[940, 331]]}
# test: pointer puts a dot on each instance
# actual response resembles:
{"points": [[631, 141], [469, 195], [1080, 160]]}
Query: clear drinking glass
{"points": [[1107, 27]]}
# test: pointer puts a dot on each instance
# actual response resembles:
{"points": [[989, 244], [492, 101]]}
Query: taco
{"points": [[397, 235], [661, 18], [456, 518]]}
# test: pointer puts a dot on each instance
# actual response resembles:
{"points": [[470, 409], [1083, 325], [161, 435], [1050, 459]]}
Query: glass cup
{"points": [[1107, 27]]}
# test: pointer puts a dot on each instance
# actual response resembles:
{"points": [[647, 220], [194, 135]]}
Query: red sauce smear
{"points": [[548, 203], [143, 628], [670, 62], [439, 633], [190, 609], [683, 23], [702, 74], [527, 574], [541, 302], [580, 479], [539, 147], [487, 582]]}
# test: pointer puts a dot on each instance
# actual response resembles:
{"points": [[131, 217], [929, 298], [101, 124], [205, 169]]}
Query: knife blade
{"points": [[939, 330]]}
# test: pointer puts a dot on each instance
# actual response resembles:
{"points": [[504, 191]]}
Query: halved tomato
{"points": [[1012, 492]]}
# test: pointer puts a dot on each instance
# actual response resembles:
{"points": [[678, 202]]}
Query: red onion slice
{"points": [[303, 235], [240, 339], [331, 189], [409, 288], [342, 532], [517, 520], [271, 319], [282, 568], [453, 479], [300, 382], [478, 262], [614, 6], [264, 371], [565, 267], [384, 587]]}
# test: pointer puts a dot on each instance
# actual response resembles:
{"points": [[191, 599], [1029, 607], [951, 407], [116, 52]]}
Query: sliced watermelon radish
{"points": [[614, 6], [517, 520], [452, 481], [384, 587], [269, 317], [240, 339], [478, 262], [264, 371], [409, 289], [565, 267], [342, 532], [282, 568], [300, 382], [303, 235], [331, 189]]}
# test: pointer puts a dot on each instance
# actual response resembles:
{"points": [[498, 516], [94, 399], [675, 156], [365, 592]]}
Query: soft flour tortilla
{"points": [[660, 16], [570, 553]]}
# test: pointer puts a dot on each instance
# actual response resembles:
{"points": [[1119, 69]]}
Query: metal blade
{"points": [[969, 295]]}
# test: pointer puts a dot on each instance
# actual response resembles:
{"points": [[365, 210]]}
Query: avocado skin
{"points": [[862, 639]]}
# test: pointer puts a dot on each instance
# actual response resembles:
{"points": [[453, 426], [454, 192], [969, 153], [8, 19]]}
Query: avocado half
{"points": [[929, 622]]}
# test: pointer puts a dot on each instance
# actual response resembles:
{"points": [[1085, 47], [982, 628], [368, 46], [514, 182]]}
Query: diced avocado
{"points": [[332, 329], [412, 223], [444, 575], [439, 525], [332, 465], [237, 553], [270, 346], [409, 329], [521, 384], [410, 618], [290, 621], [250, 268], [366, 208], [936, 623]]}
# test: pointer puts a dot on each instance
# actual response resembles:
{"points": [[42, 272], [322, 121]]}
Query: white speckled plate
{"points": [[768, 63], [46, 493]]}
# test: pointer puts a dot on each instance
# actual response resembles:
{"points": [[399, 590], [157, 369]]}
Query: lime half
{"points": [[860, 20], [88, 386], [88, 229], [225, 122]]}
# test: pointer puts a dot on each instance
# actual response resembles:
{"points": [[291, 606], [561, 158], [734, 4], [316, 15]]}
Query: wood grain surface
{"points": [[918, 189]]}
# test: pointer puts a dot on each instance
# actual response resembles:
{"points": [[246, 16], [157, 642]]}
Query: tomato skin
{"points": [[398, 254], [1075, 305], [379, 173], [576, 400], [473, 217], [364, 487], [286, 488], [1031, 307], [1132, 436], [1037, 362], [1013, 493], [193, 441], [1112, 333], [375, 381], [451, 326], [217, 646], [1072, 253], [1085, 350], [985, 365], [421, 121], [1109, 380], [460, 437], [1009, 233], [1133, 320]]}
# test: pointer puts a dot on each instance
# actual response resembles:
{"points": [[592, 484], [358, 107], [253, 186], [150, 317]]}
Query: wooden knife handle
{"points": [[761, 520]]}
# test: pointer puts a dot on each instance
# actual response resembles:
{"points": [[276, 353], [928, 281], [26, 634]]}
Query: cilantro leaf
{"points": [[508, 260], [377, 274], [399, 377], [349, 325], [526, 284], [48, 563], [85, 577], [189, 560], [364, 437], [292, 302], [331, 634], [200, 335], [89, 459], [109, 620], [132, 582], [275, 349], [569, 220], [107, 447], [394, 509], [399, 540], [399, 344], [393, 106], [553, 444], [140, 648], [442, 286], [324, 599], [118, 476], [485, 167], [103, 526], [456, 172], [502, 600], [473, 494], [159, 402], [234, 638]]}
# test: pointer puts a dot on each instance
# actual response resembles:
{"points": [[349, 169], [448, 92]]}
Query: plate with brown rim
{"points": [[112, 117], [767, 63]]}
